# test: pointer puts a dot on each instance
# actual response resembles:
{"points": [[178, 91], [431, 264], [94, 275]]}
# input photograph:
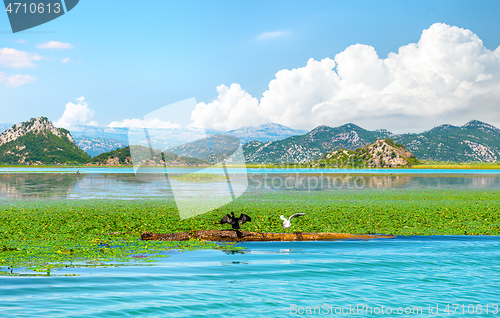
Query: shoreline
{"points": [[266, 166]]}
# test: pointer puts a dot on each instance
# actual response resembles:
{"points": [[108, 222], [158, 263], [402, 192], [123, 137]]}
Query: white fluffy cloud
{"points": [[17, 59], [66, 60], [76, 114], [447, 77], [15, 80], [232, 107], [55, 45], [144, 123]]}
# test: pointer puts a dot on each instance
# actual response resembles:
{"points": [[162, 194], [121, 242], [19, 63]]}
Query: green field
{"points": [[46, 234]]}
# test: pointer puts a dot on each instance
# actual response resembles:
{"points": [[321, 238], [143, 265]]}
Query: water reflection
{"points": [[72, 186], [37, 186], [300, 182], [127, 187]]}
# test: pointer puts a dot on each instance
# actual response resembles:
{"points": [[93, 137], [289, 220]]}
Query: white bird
{"points": [[287, 223]]}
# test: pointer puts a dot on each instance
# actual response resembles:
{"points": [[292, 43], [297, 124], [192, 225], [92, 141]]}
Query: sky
{"points": [[405, 66]]}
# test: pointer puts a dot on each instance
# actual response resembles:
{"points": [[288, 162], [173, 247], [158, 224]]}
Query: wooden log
{"points": [[244, 236]]}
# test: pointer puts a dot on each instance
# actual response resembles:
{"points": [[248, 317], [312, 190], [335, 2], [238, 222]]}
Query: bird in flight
{"points": [[287, 222], [234, 221]]}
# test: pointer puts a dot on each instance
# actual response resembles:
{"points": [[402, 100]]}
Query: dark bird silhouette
{"points": [[234, 221]]}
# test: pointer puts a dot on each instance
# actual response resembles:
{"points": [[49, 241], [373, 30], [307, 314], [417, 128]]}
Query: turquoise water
{"points": [[102, 170], [275, 279], [267, 279]]}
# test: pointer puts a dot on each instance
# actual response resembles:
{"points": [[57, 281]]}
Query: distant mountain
{"points": [[80, 131], [96, 146], [123, 156], [382, 153], [4, 127], [39, 142], [264, 133], [311, 146], [95, 140], [213, 149], [474, 141], [160, 138]]}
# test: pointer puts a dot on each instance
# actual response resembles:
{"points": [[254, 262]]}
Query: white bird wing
{"points": [[296, 215]]}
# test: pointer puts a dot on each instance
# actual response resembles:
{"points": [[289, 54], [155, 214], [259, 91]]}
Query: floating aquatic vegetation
{"points": [[47, 235]]}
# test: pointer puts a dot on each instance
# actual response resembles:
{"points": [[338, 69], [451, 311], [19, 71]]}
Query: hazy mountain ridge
{"points": [[96, 140], [96, 146], [213, 149], [264, 133]]}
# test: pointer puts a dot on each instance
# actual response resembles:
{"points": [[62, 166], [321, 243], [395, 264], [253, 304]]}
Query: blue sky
{"points": [[129, 58]]}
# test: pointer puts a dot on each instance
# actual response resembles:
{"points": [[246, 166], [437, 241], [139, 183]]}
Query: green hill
{"points": [[382, 153], [122, 156], [39, 142]]}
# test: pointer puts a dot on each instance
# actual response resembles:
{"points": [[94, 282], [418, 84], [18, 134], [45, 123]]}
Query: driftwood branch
{"points": [[244, 236]]}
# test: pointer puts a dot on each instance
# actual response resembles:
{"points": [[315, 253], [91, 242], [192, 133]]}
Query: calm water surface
{"points": [[269, 277], [105, 170], [126, 186]]}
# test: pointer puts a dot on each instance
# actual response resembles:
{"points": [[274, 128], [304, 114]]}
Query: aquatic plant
{"points": [[46, 235]]}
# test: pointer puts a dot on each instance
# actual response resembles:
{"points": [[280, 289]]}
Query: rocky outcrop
{"points": [[38, 125], [382, 153], [38, 141]]}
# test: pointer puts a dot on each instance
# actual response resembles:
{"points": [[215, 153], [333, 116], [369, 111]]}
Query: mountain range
{"points": [[310, 146], [474, 141], [96, 140], [38, 141]]}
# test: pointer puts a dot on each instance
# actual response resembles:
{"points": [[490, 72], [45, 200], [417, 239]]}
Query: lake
{"points": [[278, 279], [123, 184], [266, 279], [175, 170]]}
